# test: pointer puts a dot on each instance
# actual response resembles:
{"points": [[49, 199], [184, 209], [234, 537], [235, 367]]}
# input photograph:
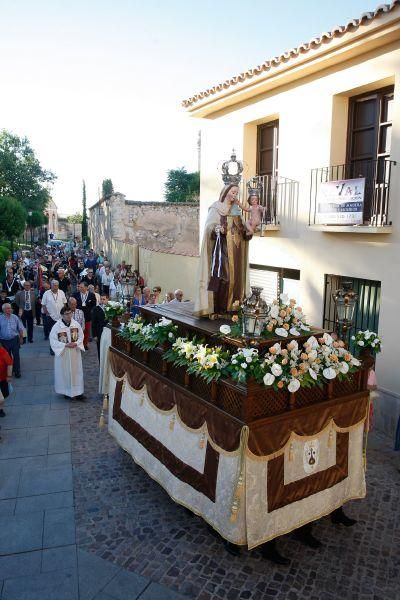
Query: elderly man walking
{"points": [[52, 302], [11, 335], [77, 314], [26, 301]]}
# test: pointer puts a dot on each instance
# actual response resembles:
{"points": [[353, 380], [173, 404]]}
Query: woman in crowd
{"points": [[137, 301]]}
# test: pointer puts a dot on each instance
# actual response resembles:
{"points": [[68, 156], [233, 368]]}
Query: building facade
{"points": [[160, 239], [326, 111]]}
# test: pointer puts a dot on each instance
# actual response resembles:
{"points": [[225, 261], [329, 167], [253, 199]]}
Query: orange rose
{"points": [[341, 343], [347, 356], [270, 327], [333, 357], [285, 361], [282, 313], [285, 326], [272, 350], [235, 318], [304, 356], [280, 384], [294, 372]]}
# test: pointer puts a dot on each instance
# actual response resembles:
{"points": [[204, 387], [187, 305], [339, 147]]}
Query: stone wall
{"points": [[66, 231], [157, 226]]}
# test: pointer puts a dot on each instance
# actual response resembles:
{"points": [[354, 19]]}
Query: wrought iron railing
{"points": [[377, 174], [279, 197]]}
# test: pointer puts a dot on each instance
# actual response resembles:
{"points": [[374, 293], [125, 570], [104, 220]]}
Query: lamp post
{"points": [[30, 225], [345, 299]]}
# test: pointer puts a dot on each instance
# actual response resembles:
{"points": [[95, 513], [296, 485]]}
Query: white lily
{"points": [[281, 332], [294, 385], [329, 373], [268, 379], [276, 369]]}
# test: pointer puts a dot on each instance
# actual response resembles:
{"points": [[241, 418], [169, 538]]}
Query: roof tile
{"points": [[325, 37]]}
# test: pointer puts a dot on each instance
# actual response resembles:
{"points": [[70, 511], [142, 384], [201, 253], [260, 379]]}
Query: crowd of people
{"points": [[60, 289]]}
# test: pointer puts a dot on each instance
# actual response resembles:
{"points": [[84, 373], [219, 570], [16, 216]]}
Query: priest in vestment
{"points": [[66, 341], [223, 271]]}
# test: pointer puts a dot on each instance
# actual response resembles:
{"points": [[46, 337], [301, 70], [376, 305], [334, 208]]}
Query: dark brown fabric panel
{"points": [[205, 483], [280, 495], [194, 412], [270, 434]]}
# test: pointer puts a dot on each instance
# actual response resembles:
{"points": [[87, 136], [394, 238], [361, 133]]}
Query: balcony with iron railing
{"points": [[278, 198], [374, 206]]}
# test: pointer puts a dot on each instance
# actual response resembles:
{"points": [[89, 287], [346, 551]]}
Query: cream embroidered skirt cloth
{"points": [[250, 483]]}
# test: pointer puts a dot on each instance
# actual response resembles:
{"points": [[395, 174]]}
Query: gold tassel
{"points": [[234, 510], [202, 441], [105, 402], [102, 421], [240, 485], [172, 422], [330, 439], [291, 453]]}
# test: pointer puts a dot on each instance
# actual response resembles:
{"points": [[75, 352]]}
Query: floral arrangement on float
{"points": [[315, 362], [370, 340], [148, 336], [282, 318], [286, 318], [114, 309], [198, 358]]}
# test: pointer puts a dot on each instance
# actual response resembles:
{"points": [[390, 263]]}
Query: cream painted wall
{"points": [[169, 271], [312, 131], [127, 252]]}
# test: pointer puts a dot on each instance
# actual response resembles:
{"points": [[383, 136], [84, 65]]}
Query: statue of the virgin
{"points": [[223, 271]]}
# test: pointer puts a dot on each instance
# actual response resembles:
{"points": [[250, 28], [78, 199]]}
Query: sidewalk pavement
{"points": [[39, 556]]}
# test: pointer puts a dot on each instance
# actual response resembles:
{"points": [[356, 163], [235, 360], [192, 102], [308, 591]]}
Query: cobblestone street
{"points": [[120, 536]]}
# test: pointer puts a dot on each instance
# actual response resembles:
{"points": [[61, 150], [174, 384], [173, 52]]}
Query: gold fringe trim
{"points": [[331, 424], [326, 512], [202, 430], [241, 478], [242, 541], [102, 421], [105, 402], [365, 435]]}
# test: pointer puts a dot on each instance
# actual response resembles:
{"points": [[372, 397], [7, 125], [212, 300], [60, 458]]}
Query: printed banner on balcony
{"points": [[340, 202]]}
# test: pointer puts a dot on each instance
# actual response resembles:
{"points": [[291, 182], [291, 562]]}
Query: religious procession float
{"points": [[239, 409]]}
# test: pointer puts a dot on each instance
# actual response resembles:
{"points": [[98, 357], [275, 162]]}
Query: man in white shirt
{"points": [[77, 314], [52, 302], [106, 279], [178, 296]]}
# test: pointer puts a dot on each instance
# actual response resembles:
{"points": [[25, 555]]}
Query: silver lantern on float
{"points": [[255, 312]]}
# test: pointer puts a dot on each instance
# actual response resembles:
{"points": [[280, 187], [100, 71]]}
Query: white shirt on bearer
{"points": [[54, 301]]}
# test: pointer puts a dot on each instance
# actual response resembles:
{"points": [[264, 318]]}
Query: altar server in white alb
{"points": [[66, 341]]}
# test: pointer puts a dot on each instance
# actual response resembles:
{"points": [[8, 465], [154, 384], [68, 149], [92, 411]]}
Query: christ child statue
{"points": [[256, 213]]}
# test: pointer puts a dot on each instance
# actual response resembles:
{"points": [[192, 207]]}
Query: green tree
{"points": [[182, 186], [12, 218], [21, 174], [36, 219], [107, 188], [84, 214], [76, 218]]}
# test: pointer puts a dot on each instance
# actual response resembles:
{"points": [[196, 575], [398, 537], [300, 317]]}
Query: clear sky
{"points": [[97, 85]]}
